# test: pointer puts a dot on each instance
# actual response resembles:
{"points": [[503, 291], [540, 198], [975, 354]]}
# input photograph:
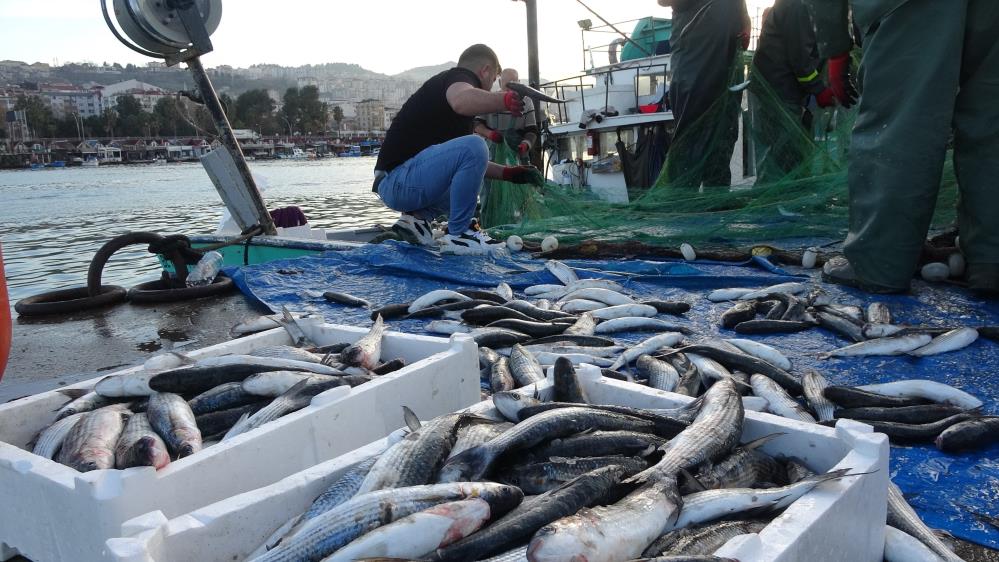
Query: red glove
{"points": [[840, 80], [523, 148], [826, 98], [513, 103], [519, 174], [495, 136], [744, 40]]}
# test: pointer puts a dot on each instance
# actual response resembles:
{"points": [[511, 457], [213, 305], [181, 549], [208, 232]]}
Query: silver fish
{"points": [[541, 289], [561, 348], [597, 294], [661, 375], [87, 403], [612, 533], [171, 417], [585, 326], [546, 358], [564, 273], [713, 433], [722, 295], [930, 390], [881, 346], [504, 291], [121, 386], [951, 341], [296, 398], [594, 284], [476, 462], [878, 313], [786, 288], [89, 445], [635, 324], [525, 367], [275, 383], [509, 404], [287, 352], [473, 435], [623, 310], [779, 402], [367, 351], [695, 544], [576, 306], [420, 534], [904, 518], [434, 297], [500, 377], [648, 346], [903, 547], [140, 445], [761, 351], [814, 385], [414, 460], [328, 532], [745, 467], [50, 439], [709, 505]]}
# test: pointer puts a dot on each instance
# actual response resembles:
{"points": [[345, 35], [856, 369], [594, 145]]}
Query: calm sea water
{"points": [[53, 220]]}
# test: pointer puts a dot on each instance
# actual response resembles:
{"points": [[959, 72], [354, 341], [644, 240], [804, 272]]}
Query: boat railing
{"points": [[574, 89]]}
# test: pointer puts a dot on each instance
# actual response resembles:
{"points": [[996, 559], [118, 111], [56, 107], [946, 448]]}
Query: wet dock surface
{"points": [[48, 352]]}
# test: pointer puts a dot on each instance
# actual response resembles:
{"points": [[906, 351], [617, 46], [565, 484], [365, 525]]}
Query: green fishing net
{"points": [[791, 189]]}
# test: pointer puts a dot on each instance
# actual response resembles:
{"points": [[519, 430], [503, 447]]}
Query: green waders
{"points": [[930, 67]]}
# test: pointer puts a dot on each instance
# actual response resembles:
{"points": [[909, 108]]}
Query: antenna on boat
{"points": [[179, 31], [618, 31]]}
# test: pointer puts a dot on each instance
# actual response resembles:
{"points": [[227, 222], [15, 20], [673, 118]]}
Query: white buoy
{"points": [[688, 252], [549, 244], [956, 264], [808, 257], [515, 243], [935, 272]]}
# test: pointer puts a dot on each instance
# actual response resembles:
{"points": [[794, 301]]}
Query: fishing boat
{"points": [[615, 111], [91, 163]]}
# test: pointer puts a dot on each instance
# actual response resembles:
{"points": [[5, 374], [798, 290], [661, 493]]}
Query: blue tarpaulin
{"points": [[945, 489]]}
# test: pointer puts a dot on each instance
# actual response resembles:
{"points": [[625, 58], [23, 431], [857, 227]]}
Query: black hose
{"points": [[69, 300], [102, 256], [158, 291]]}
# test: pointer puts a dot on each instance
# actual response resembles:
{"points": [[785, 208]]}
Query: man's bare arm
{"points": [[470, 101], [494, 171]]}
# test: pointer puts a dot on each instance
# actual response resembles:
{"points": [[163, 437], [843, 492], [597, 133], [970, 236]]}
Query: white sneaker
{"points": [[414, 230], [470, 242]]}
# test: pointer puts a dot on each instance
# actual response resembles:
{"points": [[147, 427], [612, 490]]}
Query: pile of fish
{"points": [[562, 479], [577, 320], [792, 307], [175, 406]]}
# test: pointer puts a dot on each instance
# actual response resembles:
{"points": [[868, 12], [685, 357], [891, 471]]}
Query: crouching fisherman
{"points": [[431, 163]]}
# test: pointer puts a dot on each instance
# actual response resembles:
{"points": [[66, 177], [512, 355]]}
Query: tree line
{"points": [[301, 113]]}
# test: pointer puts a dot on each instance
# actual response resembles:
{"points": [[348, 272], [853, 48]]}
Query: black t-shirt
{"points": [[425, 119]]}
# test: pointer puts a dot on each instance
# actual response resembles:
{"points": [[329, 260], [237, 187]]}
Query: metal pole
{"points": [[214, 107], [534, 72]]}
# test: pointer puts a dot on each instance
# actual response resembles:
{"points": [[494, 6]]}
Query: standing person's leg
{"points": [[910, 76], [444, 178], [976, 145]]}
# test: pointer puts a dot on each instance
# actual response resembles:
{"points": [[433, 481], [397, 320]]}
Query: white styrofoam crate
{"points": [[838, 521], [52, 512]]}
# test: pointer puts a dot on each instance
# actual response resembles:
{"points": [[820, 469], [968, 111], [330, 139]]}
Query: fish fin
{"points": [[648, 451], [185, 359], [74, 393], [755, 443], [537, 392], [412, 420], [693, 481], [229, 434]]}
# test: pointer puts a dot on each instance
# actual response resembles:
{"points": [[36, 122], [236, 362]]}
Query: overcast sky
{"points": [[386, 36]]}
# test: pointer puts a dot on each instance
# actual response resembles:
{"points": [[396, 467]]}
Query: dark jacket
{"points": [[787, 54]]}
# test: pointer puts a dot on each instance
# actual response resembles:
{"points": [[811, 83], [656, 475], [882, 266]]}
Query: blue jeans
{"points": [[443, 178]]}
